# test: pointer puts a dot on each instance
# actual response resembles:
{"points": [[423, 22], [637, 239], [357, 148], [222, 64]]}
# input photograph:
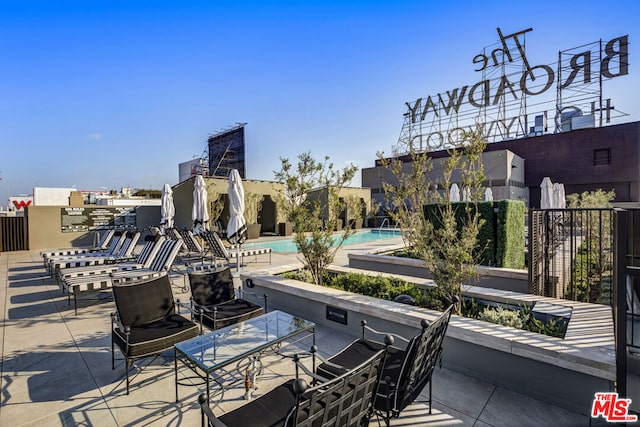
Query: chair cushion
{"points": [[270, 409], [350, 357], [143, 303], [155, 337], [358, 352], [231, 312], [212, 287]]}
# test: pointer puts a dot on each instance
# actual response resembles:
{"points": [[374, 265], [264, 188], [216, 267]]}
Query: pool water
{"points": [[288, 245]]}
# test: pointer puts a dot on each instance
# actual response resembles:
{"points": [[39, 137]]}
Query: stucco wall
{"points": [[45, 228]]}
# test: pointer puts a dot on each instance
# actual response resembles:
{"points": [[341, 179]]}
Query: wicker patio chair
{"points": [[406, 371], [145, 322]]}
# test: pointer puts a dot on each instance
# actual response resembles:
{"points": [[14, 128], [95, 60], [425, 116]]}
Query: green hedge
{"points": [[510, 234], [501, 237]]}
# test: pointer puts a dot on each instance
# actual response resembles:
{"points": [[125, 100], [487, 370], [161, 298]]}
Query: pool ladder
{"points": [[386, 221]]}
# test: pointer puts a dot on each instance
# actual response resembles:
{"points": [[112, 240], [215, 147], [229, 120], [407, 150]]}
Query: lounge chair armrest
{"points": [[373, 331], [206, 410], [316, 377]]}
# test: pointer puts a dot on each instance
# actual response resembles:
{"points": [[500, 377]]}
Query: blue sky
{"points": [[117, 93]]}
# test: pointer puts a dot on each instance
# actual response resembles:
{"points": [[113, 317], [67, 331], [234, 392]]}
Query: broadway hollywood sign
{"points": [[510, 80]]}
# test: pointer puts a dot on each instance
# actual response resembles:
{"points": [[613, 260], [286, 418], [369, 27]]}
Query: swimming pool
{"points": [[288, 245]]}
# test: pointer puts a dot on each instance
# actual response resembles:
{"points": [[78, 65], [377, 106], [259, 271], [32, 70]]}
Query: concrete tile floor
{"points": [[56, 370]]}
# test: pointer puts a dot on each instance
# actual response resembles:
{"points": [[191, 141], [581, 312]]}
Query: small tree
{"points": [[593, 263], [252, 206], [311, 202], [216, 205], [447, 241]]}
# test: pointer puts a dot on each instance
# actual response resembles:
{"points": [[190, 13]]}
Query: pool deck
{"points": [[56, 367]]}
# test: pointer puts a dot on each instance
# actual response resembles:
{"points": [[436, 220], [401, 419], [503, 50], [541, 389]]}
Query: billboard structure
{"points": [[515, 95], [227, 151]]}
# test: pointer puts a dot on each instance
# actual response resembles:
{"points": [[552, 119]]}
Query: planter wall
{"points": [[566, 371], [488, 277]]}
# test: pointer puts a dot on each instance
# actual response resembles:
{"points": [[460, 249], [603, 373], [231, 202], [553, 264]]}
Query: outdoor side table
{"points": [[207, 353]]}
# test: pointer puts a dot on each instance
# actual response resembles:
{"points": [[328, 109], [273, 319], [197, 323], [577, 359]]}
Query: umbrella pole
{"points": [[238, 257]]}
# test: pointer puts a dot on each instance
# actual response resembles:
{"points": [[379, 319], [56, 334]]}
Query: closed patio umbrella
{"points": [[237, 226], [466, 194], [488, 195], [454, 193], [167, 209], [200, 212], [559, 201], [546, 193]]}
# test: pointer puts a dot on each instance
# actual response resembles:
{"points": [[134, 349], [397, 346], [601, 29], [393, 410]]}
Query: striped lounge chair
{"points": [[124, 253], [86, 268], [102, 245], [160, 265], [116, 242], [219, 250]]}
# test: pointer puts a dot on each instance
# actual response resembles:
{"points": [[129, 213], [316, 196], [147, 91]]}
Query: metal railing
{"points": [[571, 254], [14, 233]]}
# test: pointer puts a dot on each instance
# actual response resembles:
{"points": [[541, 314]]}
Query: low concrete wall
{"points": [[566, 372], [488, 277], [45, 228]]}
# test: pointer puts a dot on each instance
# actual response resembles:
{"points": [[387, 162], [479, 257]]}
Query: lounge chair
{"points": [[145, 322], [160, 266], [406, 370], [124, 253], [213, 299], [191, 248], [118, 239], [103, 243], [219, 251], [344, 401], [143, 260]]}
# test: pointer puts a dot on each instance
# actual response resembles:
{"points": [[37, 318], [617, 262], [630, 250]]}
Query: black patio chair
{"points": [[406, 370], [345, 400], [145, 322], [213, 298]]}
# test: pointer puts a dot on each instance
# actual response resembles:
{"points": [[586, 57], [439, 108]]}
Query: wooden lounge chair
{"points": [[406, 370], [345, 400], [145, 322]]}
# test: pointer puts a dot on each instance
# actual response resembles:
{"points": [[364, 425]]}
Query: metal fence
{"points": [[14, 233], [591, 255], [571, 254]]}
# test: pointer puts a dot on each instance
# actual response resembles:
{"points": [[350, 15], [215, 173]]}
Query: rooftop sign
{"points": [[510, 80]]}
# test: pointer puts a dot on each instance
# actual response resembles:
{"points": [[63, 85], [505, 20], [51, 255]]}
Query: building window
{"points": [[602, 157]]}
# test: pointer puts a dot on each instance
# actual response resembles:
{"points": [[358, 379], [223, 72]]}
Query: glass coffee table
{"points": [[207, 353]]}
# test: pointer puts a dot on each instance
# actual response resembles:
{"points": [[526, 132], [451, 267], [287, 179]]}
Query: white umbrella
{"points": [[488, 195], [454, 193], [237, 226], [546, 193], [167, 209], [562, 197], [466, 194], [200, 212]]}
